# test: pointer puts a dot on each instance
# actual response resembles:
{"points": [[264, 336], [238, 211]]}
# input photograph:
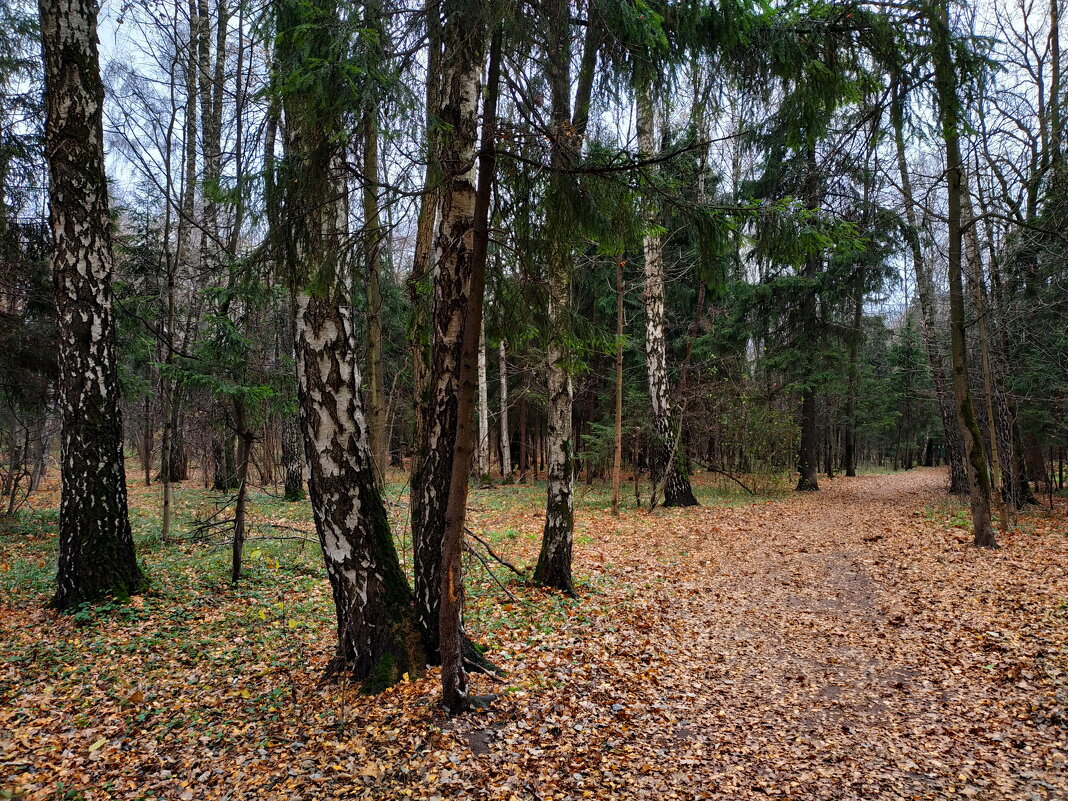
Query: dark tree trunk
{"points": [[178, 463], [949, 117], [373, 233], [461, 60], [237, 545], [222, 452], [96, 551], [523, 443], [808, 458], [418, 284], [849, 457], [958, 476]]}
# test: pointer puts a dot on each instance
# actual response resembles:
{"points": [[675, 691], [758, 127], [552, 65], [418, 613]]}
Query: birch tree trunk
{"points": [[96, 551], [459, 285], [506, 444], [554, 561], [378, 639], [670, 465], [483, 410]]}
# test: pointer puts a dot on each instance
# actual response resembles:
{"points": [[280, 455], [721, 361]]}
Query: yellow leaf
{"points": [[98, 744]]}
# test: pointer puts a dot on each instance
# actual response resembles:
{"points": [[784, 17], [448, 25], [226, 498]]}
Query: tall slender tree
{"points": [[437, 502], [671, 461], [568, 128], [946, 83]]}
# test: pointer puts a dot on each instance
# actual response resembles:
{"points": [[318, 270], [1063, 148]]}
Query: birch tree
{"points": [[670, 458], [96, 551], [378, 638]]}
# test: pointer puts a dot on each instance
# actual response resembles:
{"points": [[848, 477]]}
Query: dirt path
{"points": [[833, 646], [849, 644]]}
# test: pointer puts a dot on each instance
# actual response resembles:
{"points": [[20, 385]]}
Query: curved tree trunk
{"points": [[958, 481], [377, 635], [378, 638], [949, 117], [96, 551]]}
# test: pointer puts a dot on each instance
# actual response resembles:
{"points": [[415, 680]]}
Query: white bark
{"points": [[483, 408], [506, 451]]}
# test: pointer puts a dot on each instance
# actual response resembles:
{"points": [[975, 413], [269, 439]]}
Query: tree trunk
{"points": [[377, 635], [372, 249], [506, 442], [958, 482], [670, 469], [418, 284], [849, 457], [979, 299], [483, 410], [96, 551], [523, 435], [554, 561], [807, 458], [949, 114], [222, 451], [617, 454], [237, 545], [292, 464], [433, 493], [459, 285]]}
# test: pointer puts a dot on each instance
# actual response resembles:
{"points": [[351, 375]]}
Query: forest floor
{"points": [[846, 644]]}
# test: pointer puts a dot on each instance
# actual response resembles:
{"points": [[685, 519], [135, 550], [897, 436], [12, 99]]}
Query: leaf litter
{"points": [[848, 644]]}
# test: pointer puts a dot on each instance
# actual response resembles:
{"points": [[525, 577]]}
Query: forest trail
{"points": [[829, 647]]}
